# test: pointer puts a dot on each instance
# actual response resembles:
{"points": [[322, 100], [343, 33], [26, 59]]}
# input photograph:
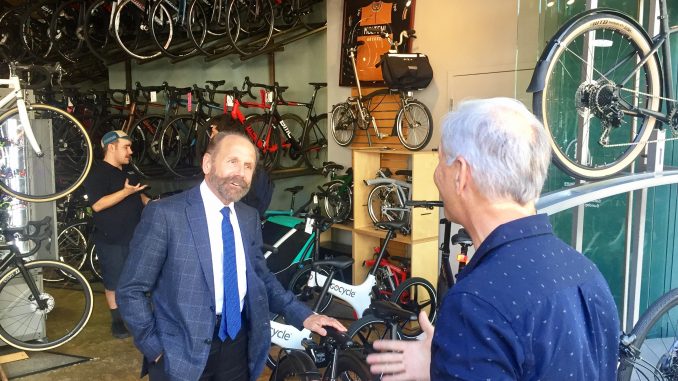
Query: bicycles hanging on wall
{"points": [[601, 85]]}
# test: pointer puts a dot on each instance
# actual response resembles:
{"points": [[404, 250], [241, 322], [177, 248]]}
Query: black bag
{"points": [[406, 71]]}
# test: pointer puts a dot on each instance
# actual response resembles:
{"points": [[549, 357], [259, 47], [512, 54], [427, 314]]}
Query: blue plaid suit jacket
{"points": [[170, 257]]}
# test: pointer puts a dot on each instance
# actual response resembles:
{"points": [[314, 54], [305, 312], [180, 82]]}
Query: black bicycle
{"points": [[38, 315]]}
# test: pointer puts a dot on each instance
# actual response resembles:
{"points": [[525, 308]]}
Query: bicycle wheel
{"points": [[66, 31], [314, 142], [298, 285], [11, 22], [653, 354], [351, 366], [132, 30], [255, 23], [384, 204], [591, 80], [35, 31], [94, 265], [291, 157], [176, 30], [367, 330], [343, 124], [338, 202], [96, 29], [297, 366], [415, 295], [68, 307], [67, 154], [71, 249], [146, 159], [265, 138], [414, 125]]}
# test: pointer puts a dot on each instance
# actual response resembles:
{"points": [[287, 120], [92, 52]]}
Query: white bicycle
{"points": [[37, 140]]}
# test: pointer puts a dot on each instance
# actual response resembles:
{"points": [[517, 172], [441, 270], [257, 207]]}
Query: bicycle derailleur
{"points": [[602, 100]]}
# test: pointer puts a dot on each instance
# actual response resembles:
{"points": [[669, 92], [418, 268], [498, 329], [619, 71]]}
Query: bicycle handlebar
{"points": [[44, 74], [424, 204], [35, 231]]}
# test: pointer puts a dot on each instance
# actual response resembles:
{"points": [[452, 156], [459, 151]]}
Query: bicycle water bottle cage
{"points": [[462, 238], [390, 312]]}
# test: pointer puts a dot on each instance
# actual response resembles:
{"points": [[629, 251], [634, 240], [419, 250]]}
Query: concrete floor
{"points": [[113, 359]]}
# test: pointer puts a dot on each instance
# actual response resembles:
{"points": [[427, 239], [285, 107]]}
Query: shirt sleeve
{"points": [[96, 186], [473, 341]]}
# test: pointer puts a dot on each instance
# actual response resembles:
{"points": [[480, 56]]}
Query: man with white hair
{"points": [[527, 306]]}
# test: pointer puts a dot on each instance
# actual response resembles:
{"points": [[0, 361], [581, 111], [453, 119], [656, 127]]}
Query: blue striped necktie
{"points": [[230, 313]]}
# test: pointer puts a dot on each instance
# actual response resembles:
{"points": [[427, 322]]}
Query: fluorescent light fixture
{"points": [[550, 3]]}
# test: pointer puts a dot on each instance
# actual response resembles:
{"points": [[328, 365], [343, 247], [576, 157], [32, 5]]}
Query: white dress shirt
{"points": [[213, 208]]}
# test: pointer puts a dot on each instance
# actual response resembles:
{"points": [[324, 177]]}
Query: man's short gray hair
{"points": [[503, 142]]}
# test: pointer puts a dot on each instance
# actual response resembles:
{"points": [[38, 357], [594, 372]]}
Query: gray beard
{"points": [[220, 184]]}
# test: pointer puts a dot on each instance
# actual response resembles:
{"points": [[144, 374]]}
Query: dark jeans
{"points": [[227, 360]]}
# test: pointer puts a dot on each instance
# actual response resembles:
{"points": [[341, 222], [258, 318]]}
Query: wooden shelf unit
{"points": [[421, 245]]}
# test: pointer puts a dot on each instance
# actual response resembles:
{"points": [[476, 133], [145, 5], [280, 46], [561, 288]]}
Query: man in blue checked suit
{"points": [[199, 256]]}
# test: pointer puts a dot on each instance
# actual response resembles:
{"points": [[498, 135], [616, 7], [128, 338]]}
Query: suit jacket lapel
{"points": [[195, 212]]}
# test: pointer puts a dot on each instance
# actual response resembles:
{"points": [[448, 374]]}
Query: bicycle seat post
{"points": [[390, 233]]}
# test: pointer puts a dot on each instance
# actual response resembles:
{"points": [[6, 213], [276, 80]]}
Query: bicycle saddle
{"points": [[294, 190], [462, 238], [404, 172], [390, 312], [333, 166], [342, 340], [318, 84], [216, 84], [392, 225], [338, 262]]}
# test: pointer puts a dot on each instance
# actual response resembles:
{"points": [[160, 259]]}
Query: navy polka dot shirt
{"points": [[527, 307]]}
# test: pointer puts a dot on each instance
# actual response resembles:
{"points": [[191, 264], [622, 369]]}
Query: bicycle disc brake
{"points": [[45, 297]]}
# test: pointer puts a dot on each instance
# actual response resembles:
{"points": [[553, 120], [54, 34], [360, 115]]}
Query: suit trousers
{"points": [[227, 360]]}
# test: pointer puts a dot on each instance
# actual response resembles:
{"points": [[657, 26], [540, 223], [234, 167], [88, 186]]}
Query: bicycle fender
{"points": [[539, 74]]}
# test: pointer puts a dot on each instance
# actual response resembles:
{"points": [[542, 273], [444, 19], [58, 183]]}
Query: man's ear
{"points": [[463, 175], [206, 163]]}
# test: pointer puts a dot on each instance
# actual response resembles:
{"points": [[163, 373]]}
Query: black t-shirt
{"points": [[116, 224]]}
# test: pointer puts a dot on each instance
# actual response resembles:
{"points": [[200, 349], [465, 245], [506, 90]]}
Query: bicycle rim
{"points": [[380, 202], [69, 306], [71, 249], [94, 265], [315, 142], [415, 295], [132, 31], [337, 203], [578, 92], [255, 28], [654, 353], [67, 154], [291, 157], [146, 159], [351, 366], [414, 126], [343, 124], [180, 147], [95, 30], [64, 29], [367, 330]]}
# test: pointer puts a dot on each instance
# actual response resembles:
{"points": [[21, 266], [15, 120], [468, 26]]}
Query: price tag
{"points": [[308, 229], [229, 100], [70, 102], [189, 103], [126, 99], [269, 96], [154, 96]]}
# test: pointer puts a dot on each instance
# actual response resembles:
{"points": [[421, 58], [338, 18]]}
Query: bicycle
{"points": [[28, 304], [387, 200], [60, 146], [413, 122], [601, 83], [338, 201]]}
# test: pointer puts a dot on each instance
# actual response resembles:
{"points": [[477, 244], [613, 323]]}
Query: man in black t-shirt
{"points": [[116, 199]]}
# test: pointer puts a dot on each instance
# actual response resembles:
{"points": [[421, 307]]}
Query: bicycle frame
{"points": [[403, 190], [358, 102], [18, 94]]}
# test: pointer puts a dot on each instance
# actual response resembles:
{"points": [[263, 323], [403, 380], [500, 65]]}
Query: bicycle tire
{"points": [[351, 366], [343, 124], [129, 21], [11, 22], [296, 365], [300, 280], [182, 146], [565, 101], [65, 29], [76, 294], [35, 31], [96, 29], [414, 125], [178, 35], [71, 250], [408, 295], [266, 138], [338, 202], [68, 154], [290, 157], [383, 196], [94, 265], [145, 148], [641, 360], [249, 38], [367, 330], [314, 142]]}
